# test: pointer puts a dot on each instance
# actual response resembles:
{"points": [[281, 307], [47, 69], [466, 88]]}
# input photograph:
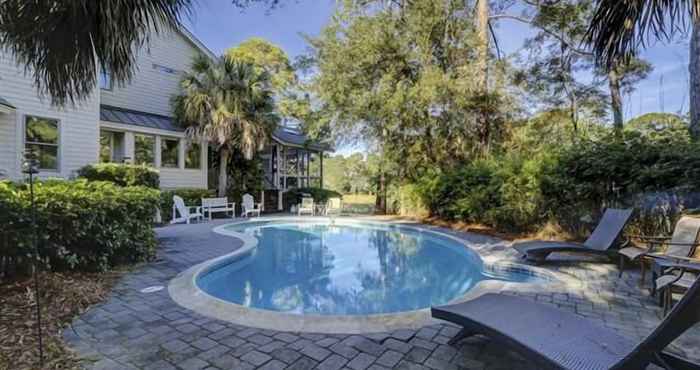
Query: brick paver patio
{"points": [[134, 330]]}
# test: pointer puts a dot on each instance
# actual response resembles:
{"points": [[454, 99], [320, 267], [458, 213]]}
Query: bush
{"points": [[122, 174], [88, 226], [191, 196], [320, 196]]}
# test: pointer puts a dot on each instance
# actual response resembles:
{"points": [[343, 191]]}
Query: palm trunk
{"points": [[615, 100], [223, 171], [694, 71]]}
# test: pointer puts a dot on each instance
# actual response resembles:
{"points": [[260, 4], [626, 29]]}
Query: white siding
{"points": [[176, 178], [151, 88], [79, 129]]}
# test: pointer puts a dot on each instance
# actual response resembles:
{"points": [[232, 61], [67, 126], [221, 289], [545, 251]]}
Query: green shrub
{"points": [[122, 174], [320, 196], [191, 196], [407, 200], [88, 226], [520, 189]]}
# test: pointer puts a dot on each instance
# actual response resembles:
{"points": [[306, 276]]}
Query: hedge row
{"points": [[89, 226], [122, 174]]}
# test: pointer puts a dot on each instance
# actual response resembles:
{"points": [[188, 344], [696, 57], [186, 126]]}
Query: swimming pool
{"points": [[322, 267]]}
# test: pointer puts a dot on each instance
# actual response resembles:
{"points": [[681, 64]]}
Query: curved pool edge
{"points": [[184, 291]]}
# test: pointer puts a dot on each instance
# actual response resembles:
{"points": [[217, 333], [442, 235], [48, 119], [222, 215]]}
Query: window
{"points": [[169, 152], [193, 156], [105, 80], [41, 138], [144, 149]]}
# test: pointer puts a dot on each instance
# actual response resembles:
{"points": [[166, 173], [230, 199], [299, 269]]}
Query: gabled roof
{"points": [[195, 41], [131, 117], [292, 137], [6, 103]]}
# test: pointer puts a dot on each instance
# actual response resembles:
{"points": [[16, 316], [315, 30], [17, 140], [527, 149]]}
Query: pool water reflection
{"points": [[346, 269]]}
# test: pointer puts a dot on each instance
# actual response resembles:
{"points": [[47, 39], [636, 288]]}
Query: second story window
{"points": [[105, 80]]}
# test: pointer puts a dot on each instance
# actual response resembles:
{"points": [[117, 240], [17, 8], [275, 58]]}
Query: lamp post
{"points": [[31, 168]]}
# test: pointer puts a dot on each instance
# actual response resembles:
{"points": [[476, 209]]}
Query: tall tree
{"points": [[622, 77], [403, 80], [620, 28], [266, 56], [62, 41], [228, 103]]}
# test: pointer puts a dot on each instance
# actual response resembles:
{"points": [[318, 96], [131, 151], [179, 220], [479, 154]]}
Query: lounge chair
{"points": [[555, 339], [681, 244], [678, 278], [334, 206], [603, 238], [249, 206], [306, 206], [186, 213]]}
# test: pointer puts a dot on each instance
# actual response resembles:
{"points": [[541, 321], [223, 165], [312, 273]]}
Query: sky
{"points": [[220, 25]]}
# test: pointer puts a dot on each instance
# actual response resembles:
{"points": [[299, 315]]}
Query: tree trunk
{"points": [[694, 71], [482, 23], [223, 171], [615, 100], [482, 63], [380, 202]]}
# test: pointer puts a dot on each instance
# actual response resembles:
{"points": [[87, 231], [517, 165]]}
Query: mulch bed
{"points": [[63, 296]]}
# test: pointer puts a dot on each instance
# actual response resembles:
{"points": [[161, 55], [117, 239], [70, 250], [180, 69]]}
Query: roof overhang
{"points": [[5, 106], [299, 140]]}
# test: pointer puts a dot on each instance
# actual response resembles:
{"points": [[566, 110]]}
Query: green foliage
{"points": [[532, 182], [267, 57], [191, 196], [664, 126], [87, 226], [121, 174], [320, 196]]}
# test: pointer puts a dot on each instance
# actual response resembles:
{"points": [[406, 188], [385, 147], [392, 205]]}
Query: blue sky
{"points": [[220, 25]]}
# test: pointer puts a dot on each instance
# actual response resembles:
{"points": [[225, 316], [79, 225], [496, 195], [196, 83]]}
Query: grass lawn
{"points": [[358, 203]]}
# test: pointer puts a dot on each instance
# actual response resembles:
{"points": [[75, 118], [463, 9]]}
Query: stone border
{"points": [[183, 289]]}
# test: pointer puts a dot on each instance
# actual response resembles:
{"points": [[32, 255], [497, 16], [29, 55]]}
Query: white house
{"points": [[132, 123]]}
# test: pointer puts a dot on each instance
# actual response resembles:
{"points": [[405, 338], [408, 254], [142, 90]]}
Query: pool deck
{"points": [[135, 330]]}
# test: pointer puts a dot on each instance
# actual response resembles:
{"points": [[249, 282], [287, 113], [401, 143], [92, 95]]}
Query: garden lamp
{"points": [[31, 168]]}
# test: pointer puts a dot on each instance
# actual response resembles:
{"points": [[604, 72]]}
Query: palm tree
{"points": [[619, 28], [63, 40], [228, 103]]}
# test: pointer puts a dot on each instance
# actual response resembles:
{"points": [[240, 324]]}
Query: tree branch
{"points": [[550, 33]]}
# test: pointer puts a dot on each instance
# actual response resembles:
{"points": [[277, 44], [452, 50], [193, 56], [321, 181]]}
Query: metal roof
{"points": [[6, 103], [131, 117], [284, 135], [292, 137]]}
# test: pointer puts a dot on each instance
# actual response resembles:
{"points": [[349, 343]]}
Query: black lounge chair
{"points": [[554, 339], [601, 240]]}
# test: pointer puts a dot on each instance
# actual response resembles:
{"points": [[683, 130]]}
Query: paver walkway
{"points": [[134, 330]]}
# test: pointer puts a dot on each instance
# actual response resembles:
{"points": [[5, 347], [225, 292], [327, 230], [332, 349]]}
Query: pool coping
{"points": [[183, 288]]}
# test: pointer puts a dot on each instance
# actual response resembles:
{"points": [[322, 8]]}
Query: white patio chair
{"points": [[306, 206], [334, 206], [185, 211], [249, 206]]}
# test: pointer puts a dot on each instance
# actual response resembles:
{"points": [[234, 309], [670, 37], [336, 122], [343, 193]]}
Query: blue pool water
{"points": [[346, 269]]}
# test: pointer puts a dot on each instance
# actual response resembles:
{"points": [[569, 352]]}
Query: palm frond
{"points": [[62, 41], [619, 27], [230, 103]]}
